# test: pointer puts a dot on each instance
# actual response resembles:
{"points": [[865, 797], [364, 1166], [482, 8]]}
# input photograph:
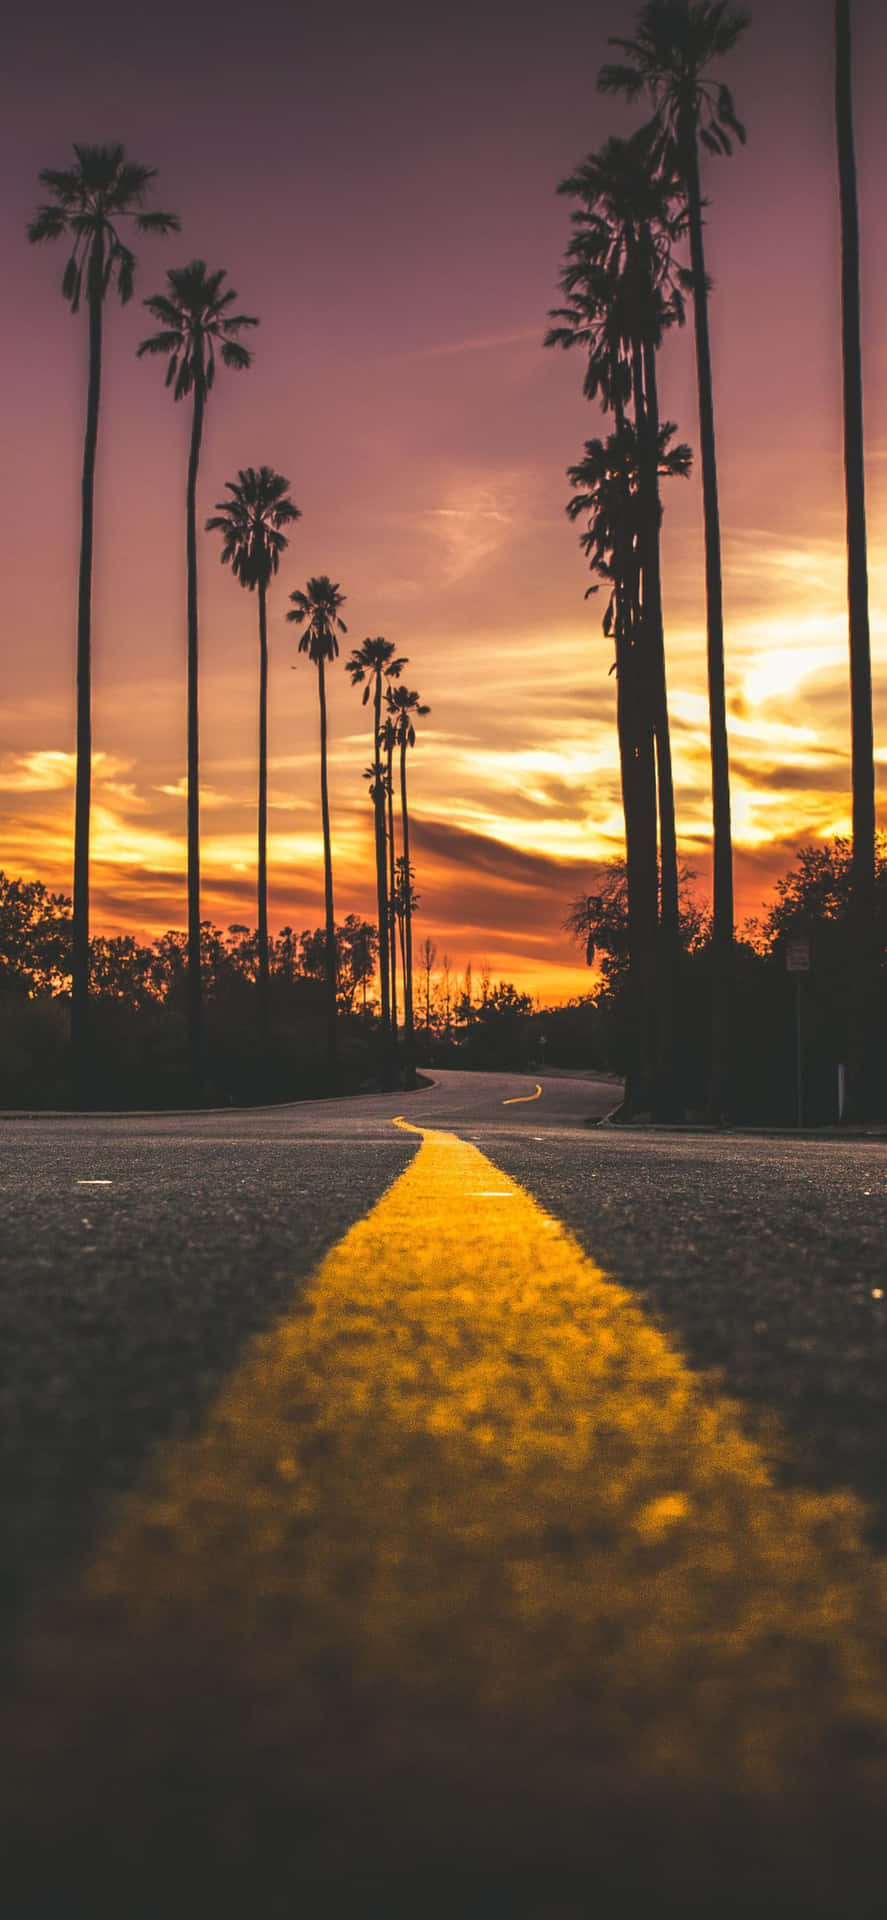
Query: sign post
{"points": [[797, 961]]}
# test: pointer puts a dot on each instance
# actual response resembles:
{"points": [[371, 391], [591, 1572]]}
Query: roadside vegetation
{"points": [[468, 1020]]}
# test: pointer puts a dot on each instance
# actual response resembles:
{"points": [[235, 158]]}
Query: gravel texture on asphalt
{"points": [[123, 1306], [765, 1258], [141, 1256]]}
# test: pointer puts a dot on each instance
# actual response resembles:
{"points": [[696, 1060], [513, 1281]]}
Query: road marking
{"points": [[95, 1183], [520, 1099], [464, 1517]]}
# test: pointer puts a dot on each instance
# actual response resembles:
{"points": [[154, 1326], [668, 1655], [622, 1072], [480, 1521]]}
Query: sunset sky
{"points": [[379, 182]]}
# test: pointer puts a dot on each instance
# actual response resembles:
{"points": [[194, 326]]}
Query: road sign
{"points": [[797, 956]]}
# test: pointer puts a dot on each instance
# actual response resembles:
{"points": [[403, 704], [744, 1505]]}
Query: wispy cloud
{"points": [[474, 343]]}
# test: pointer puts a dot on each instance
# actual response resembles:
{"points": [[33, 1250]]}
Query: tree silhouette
{"points": [[623, 292], [609, 498], [251, 524], [669, 58], [89, 201], [387, 744], [404, 707], [317, 608], [429, 955], [368, 665], [194, 319], [861, 727]]}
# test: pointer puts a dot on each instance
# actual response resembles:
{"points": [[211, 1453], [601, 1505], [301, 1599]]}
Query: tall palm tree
{"points": [[387, 744], [89, 202], [861, 727], [316, 607], [669, 58], [404, 707], [610, 499], [623, 291], [371, 663], [194, 319], [251, 524]]}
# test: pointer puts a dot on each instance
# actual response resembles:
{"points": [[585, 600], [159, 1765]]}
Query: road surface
{"points": [[381, 1538]]}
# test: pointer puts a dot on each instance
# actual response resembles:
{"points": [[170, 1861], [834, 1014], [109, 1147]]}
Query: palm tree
{"points": [[861, 728], [623, 292], [387, 744], [669, 58], [404, 706], [251, 524], [194, 318], [372, 662], [317, 608], [89, 201], [610, 498]]}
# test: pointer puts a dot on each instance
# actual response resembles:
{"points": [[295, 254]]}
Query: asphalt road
{"points": [[142, 1254]]}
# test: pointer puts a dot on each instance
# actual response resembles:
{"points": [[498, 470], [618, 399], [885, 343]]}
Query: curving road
{"points": [[380, 1537]]}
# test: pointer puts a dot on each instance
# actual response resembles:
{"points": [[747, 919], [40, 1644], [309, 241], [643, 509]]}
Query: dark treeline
{"points": [[635, 263], [140, 1001], [814, 904]]}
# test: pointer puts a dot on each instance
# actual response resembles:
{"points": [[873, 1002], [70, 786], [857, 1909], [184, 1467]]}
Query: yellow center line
{"points": [[464, 1516], [519, 1099]]}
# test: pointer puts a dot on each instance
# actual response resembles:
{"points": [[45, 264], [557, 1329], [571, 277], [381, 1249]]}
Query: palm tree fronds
{"points": [[48, 224], [235, 356], [193, 317], [156, 222], [168, 342], [122, 264]]}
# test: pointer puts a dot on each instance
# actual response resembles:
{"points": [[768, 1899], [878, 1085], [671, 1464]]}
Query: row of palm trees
{"points": [[196, 327], [639, 201]]}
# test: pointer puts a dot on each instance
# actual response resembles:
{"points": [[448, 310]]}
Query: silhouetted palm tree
{"points": [[194, 318], [861, 727], [316, 607], [372, 662], [387, 744], [670, 56], [404, 706], [89, 201], [251, 524], [623, 292], [610, 500]]}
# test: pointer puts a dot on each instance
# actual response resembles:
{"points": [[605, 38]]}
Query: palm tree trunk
{"points": [[195, 995], [668, 1104], [381, 886], [334, 1071], [403, 947], [264, 971], [407, 906], [634, 724], [80, 1051], [668, 850], [722, 918], [392, 884], [861, 729]]}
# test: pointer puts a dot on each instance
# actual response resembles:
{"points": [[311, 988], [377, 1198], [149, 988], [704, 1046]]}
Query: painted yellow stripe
{"points": [[464, 1518], [519, 1099]]}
